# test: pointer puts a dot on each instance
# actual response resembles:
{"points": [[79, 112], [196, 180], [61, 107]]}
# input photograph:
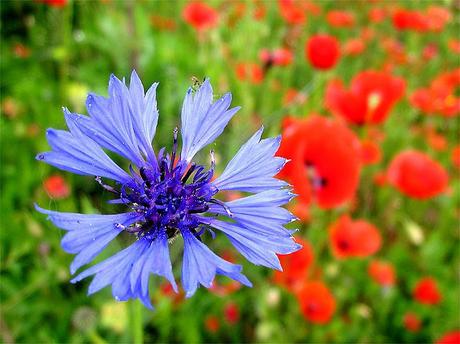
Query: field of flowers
{"points": [[366, 96]]}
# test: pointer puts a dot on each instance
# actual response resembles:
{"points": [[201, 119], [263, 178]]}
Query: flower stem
{"points": [[137, 324]]}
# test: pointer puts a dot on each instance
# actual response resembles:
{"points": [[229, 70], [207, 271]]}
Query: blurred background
{"points": [[366, 96]]}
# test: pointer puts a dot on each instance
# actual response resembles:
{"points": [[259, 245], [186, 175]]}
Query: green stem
{"points": [[137, 324]]}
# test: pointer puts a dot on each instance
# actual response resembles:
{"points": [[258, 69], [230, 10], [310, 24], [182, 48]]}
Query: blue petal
{"points": [[259, 247], [253, 168], [88, 234], [202, 120], [261, 212], [156, 261], [200, 265], [116, 271], [75, 152], [125, 123]]}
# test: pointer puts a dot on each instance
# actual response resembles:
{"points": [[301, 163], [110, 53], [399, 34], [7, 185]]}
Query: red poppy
{"points": [[292, 12], [232, 313], [277, 57], [354, 47], [450, 338], [437, 17], [412, 322], [211, 323], [426, 291], [316, 302], [296, 267], [325, 160], [371, 97], [301, 211], [323, 51], [376, 14], [339, 18], [54, 3], [436, 141], [259, 11], [56, 187], [454, 45], [370, 152], [439, 97], [382, 272], [350, 238], [455, 156], [200, 15], [252, 72], [416, 175], [380, 178], [410, 20]]}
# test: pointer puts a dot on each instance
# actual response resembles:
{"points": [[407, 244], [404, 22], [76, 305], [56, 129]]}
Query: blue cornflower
{"points": [[167, 195]]}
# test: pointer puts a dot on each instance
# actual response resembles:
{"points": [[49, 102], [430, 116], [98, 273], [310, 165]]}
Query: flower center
{"points": [[168, 195]]}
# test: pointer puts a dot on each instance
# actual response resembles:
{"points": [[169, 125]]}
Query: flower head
{"points": [[416, 175], [370, 99], [354, 238], [325, 160], [316, 302], [426, 291], [200, 15], [323, 51], [168, 195]]}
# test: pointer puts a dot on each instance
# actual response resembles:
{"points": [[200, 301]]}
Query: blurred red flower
{"points": [[252, 72], [412, 322], [293, 96], [337, 18], [56, 187], [350, 238], [370, 152], [450, 338], [200, 15], [416, 175], [325, 160], [354, 47], [292, 12], [437, 17], [454, 45], [455, 156], [296, 267], [371, 97], [54, 3], [376, 14], [232, 313], [277, 57], [20, 50], [439, 97], [433, 19], [301, 210], [162, 23], [404, 19], [382, 272], [426, 291], [211, 323], [316, 302], [323, 51]]}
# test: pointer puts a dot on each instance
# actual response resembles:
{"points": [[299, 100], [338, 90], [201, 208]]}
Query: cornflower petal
{"points": [[202, 120], [254, 166]]}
